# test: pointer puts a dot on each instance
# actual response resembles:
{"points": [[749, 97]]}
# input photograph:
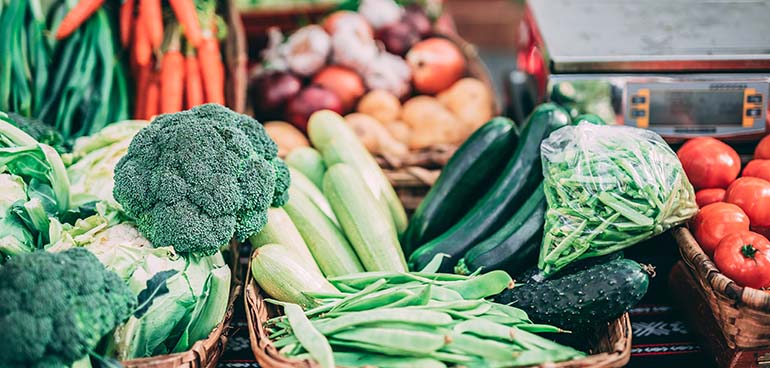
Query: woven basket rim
{"points": [[257, 311], [705, 269]]}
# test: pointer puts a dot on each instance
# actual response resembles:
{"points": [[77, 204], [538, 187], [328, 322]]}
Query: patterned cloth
{"points": [[660, 337]]}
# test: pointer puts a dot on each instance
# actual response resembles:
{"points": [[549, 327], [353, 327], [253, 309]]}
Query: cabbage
{"points": [[198, 288], [94, 159]]}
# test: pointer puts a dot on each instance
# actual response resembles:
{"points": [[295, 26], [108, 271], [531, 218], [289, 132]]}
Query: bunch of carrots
{"points": [[172, 71]]}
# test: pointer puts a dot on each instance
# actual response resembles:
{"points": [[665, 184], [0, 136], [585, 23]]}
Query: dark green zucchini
{"points": [[580, 300], [516, 182], [589, 118], [514, 247], [468, 174]]}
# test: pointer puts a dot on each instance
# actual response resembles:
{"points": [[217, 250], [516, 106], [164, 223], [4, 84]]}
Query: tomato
{"points": [[758, 169], [762, 151], [744, 257], [716, 220], [709, 163], [752, 195], [708, 196]]}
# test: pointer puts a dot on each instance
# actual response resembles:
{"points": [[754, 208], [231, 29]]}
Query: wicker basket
{"points": [[742, 313], [611, 347], [204, 353]]}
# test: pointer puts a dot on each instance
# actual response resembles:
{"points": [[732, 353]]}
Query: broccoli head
{"points": [[56, 307], [197, 178]]}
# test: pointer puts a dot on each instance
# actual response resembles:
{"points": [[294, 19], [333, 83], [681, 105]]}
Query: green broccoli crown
{"points": [[57, 306], [196, 178]]}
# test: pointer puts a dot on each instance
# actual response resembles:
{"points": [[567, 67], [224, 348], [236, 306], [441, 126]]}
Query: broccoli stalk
{"points": [[196, 179]]}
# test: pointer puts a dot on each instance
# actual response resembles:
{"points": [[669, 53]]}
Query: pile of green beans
{"points": [[418, 319], [77, 85]]}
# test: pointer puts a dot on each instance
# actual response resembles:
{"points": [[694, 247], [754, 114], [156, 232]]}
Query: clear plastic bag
{"points": [[608, 188]]}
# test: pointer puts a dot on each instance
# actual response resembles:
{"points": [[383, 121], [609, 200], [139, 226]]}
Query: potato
{"points": [[399, 130], [286, 136], [374, 136], [470, 100], [381, 105], [431, 123]]}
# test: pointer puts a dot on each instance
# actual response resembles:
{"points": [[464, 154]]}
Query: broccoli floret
{"points": [[56, 307], [43, 133], [195, 179]]}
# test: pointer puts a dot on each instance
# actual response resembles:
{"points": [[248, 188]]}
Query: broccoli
{"points": [[197, 178], [43, 133], [56, 307]]}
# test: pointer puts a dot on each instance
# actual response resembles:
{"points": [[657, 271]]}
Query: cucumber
{"points": [[330, 249], [465, 178], [514, 246], [277, 270], [518, 179], [308, 161], [281, 230], [582, 299], [366, 224], [313, 193], [338, 143]]}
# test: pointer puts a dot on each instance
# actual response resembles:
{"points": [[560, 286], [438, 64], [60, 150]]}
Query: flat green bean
{"points": [[410, 342], [488, 284], [313, 341], [348, 359], [413, 316]]}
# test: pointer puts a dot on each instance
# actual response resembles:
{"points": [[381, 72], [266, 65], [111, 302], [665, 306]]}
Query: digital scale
{"points": [[681, 68]]}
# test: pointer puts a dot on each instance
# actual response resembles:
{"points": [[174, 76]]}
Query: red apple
{"points": [[343, 82], [436, 64], [308, 101]]}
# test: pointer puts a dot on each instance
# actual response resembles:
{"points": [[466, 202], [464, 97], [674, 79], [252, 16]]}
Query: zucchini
{"points": [[278, 272], [308, 161], [330, 249], [302, 184], [582, 299], [518, 179], [465, 178], [514, 246], [366, 224], [338, 143], [281, 230]]}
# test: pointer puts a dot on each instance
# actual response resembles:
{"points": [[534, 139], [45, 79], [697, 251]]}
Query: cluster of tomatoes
{"points": [[733, 223]]}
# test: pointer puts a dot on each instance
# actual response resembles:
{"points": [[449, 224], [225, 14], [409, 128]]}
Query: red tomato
{"points": [[758, 169], [762, 151], [709, 163], [708, 196], [745, 258], [713, 222], [752, 195]]}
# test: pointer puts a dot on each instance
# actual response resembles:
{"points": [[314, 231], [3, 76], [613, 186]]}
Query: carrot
{"points": [[126, 17], [193, 88], [212, 69], [187, 16], [152, 95], [76, 16], [150, 12], [142, 47], [172, 81], [142, 82]]}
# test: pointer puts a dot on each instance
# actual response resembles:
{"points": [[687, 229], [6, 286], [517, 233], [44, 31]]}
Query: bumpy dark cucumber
{"points": [[580, 300]]}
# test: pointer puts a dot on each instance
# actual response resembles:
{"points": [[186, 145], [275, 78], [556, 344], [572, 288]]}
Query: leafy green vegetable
{"points": [[94, 159], [56, 307], [39, 131], [195, 179], [608, 188]]}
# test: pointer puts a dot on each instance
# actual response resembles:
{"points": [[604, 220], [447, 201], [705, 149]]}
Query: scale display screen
{"points": [[692, 108]]}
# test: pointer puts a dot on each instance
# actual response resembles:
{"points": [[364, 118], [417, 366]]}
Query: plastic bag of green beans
{"points": [[608, 188]]}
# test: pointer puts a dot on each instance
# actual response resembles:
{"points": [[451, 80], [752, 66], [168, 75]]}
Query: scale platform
{"points": [[606, 36]]}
